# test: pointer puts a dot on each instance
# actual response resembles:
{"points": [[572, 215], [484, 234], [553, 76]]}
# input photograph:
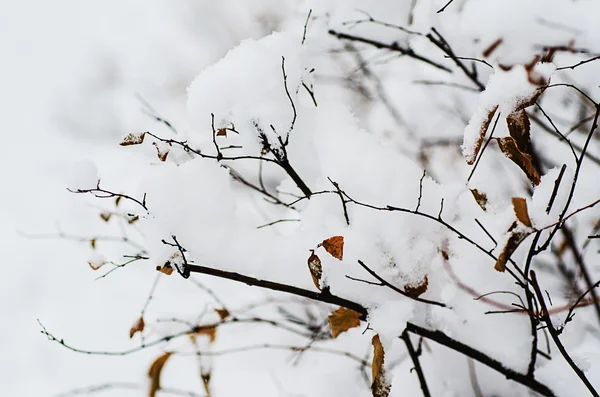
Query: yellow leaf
{"points": [[316, 270], [154, 373], [137, 327], [223, 313], [480, 197], [133, 139], [335, 246], [520, 207], [510, 149], [379, 385], [414, 290], [342, 319]]}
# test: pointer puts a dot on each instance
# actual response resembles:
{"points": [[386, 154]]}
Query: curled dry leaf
{"points": [[138, 326], [520, 208], [105, 216], [379, 385], [133, 139], [335, 246], [154, 373], [223, 313], [510, 149], [480, 197], [118, 200], [342, 319], [166, 269], [515, 238], [162, 151], [133, 219], [210, 331], [518, 127], [222, 132], [471, 151], [315, 268], [93, 243], [95, 265], [415, 290], [491, 48]]}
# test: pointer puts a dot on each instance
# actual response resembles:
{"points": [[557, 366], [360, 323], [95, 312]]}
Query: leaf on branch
{"points": [[211, 332], [93, 243], [480, 197], [138, 326], [335, 246], [515, 238], [222, 132], [166, 269], [471, 151], [105, 216], [379, 385], [223, 313], [509, 148], [154, 373], [96, 264], [342, 319], [133, 139], [520, 207], [415, 290], [315, 268], [518, 127], [133, 219], [162, 150], [118, 200]]}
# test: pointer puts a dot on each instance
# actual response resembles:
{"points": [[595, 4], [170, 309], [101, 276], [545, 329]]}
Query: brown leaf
{"points": [[154, 373], [515, 238], [379, 385], [96, 265], [518, 127], [133, 139], [482, 131], [509, 148], [315, 268], [162, 152], [415, 290], [105, 216], [137, 327], [211, 332], [223, 313], [166, 269], [480, 197], [491, 48], [342, 319], [222, 132], [93, 243], [118, 200], [335, 246], [520, 208], [133, 219]]}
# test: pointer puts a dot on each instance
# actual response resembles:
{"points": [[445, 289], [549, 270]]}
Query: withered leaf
{"points": [[223, 313], [482, 131], [95, 265], [379, 385], [335, 246], [513, 242], [118, 200], [161, 151], [342, 319], [518, 127], [138, 326], [315, 268], [133, 219], [480, 197], [211, 332], [166, 269], [520, 208], [154, 373], [105, 216], [491, 48], [93, 243], [222, 132], [509, 148], [415, 290], [133, 139]]}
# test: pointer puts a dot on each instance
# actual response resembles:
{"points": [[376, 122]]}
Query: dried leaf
{"points": [[379, 385], [133, 139], [415, 290], [166, 269], [491, 48], [118, 200], [482, 131], [133, 219], [316, 270], [162, 151], [223, 313], [93, 243], [480, 197], [154, 373], [95, 265], [516, 237], [105, 216], [211, 332], [520, 207], [519, 126], [137, 327], [222, 132], [342, 319], [335, 246], [509, 148]]}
